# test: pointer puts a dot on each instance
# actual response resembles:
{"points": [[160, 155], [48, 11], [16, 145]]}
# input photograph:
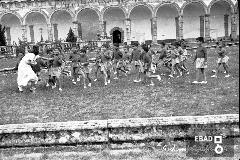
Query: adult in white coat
{"points": [[25, 74]]}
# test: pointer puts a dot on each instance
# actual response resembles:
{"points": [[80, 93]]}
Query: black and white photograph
{"points": [[119, 80]]}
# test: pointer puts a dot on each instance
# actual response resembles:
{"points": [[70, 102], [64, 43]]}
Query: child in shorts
{"points": [[222, 60]]}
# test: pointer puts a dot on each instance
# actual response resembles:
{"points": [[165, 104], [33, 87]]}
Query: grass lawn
{"points": [[122, 98]]}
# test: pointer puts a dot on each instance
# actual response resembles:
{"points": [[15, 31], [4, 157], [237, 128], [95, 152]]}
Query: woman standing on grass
{"points": [[25, 72], [201, 62]]}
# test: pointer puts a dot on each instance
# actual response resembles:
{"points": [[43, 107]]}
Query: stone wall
{"points": [[116, 130]]}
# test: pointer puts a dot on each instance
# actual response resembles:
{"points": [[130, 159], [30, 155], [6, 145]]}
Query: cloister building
{"points": [[127, 20]]}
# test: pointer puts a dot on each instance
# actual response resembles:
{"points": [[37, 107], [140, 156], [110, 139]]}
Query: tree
{"points": [[41, 38], [21, 47], [2, 36], [71, 37]]}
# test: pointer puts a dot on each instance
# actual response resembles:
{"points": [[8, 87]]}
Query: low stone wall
{"points": [[117, 130]]}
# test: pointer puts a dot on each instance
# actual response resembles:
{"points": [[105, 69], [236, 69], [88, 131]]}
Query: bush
{"points": [[71, 37], [2, 36]]}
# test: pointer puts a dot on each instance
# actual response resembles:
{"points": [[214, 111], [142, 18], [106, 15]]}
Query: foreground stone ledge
{"points": [[176, 120], [53, 126], [137, 130], [172, 132]]}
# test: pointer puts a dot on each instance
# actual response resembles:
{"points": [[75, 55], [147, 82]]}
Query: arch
{"points": [[114, 16], [110, 7], [166, 15], [141, 15], [116, 28], [64, 18], [141, 4], [190, 2], [9, 19], [89, 18], [217, 10], [13, 13], [62, 10], [36, 11], [90, 8], [191, 12], [166, 4], [215, 1], [236, 7]]}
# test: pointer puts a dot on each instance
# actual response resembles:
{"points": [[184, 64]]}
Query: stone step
{"points": [[115, 130]]}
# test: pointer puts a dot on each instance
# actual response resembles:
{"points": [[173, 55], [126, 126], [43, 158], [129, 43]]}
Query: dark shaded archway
{"points": [[117, 35], [89, 19]]}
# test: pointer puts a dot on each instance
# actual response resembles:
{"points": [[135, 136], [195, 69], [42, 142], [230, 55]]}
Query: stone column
{"points": [[180, 27], [207, 26], [75, 28], [177, 27], [80, 30], [128, 30], [103, 28], [50, 35], [226, 25], [154, 29], [24, 32], [31, 33], [201, 26], [8, 36], [55, 32], [234, 26]]}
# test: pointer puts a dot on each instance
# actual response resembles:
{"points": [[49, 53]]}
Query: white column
{"points": [[24, 32], [128, 30], [50, 35]]}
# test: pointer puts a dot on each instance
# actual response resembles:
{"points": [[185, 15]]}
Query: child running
{"points": [[56, 69], [106, 64], [146, 58], [175, 61], [222, 60], [135, 59], [180, 53], [74, 57], [97, 65], [84, 68], [164, 59], [118, 61], [183, 58]]}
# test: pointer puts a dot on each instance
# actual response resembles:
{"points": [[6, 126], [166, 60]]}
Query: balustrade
{"points": [[68, 3]]}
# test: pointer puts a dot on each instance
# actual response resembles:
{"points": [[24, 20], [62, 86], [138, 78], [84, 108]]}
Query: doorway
{"points": [[117, 35]]}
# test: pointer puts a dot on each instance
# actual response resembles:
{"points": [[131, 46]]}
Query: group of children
{"points": [[145, 60], [111, 61]]}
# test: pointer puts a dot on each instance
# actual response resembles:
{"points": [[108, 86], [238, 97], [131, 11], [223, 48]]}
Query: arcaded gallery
{"points": [[123, 21]]}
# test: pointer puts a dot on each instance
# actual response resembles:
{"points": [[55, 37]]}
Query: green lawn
{"points": [[122, 98]]}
